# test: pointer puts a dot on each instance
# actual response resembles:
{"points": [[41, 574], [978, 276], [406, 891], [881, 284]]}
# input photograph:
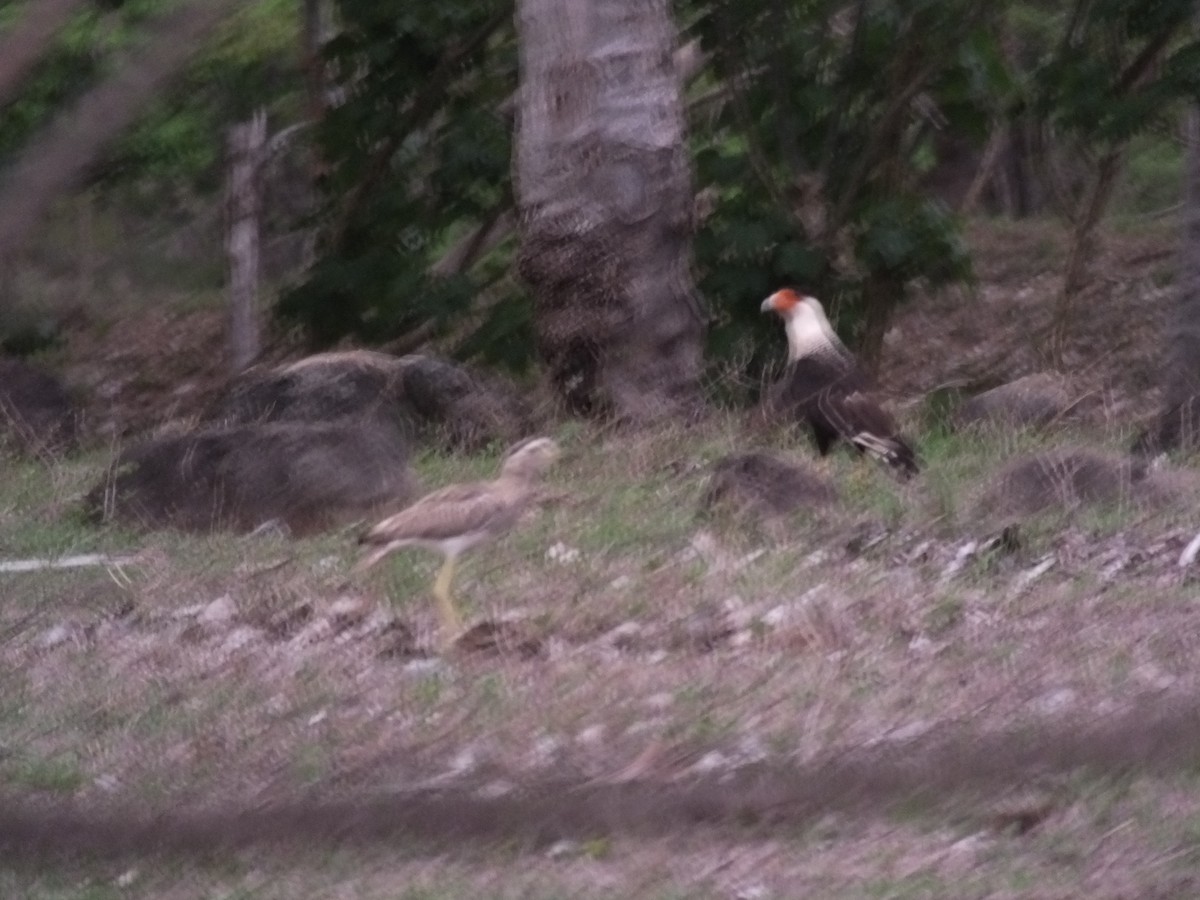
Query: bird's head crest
{"points": [[786, 301]]}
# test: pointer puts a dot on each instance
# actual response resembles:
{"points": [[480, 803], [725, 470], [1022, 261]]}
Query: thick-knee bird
{"points": [[458, 517]]}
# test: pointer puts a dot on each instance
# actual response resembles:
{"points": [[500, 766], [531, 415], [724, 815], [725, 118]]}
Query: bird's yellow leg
{"points": [[452, 624]]}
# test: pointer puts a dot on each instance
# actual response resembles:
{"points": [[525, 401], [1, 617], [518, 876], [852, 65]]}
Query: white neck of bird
{"points": [[809, 332]]}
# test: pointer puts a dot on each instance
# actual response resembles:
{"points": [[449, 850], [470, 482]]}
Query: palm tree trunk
{"points": [[605, 198]]}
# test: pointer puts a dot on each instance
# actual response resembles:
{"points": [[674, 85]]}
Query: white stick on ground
{"points": [[64, 562]]}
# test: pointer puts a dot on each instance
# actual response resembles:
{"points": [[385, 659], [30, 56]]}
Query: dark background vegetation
{"points": [[836, 146]]}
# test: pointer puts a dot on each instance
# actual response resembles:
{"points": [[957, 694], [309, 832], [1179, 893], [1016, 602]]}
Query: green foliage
{"points": [[814, 161], [1153, 175], [72, 62], [1116, 72], [816, 158], [1101, 83], [417, 155], [252, 61]]}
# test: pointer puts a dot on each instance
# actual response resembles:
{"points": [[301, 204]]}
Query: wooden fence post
{"points": [[243, 205]]}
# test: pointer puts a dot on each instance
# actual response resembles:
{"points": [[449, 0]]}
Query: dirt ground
{"points": [[877, 700]]}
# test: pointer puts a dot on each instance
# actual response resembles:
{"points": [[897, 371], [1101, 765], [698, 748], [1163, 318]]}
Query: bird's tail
{"points": [[371, 558], [893, 452]]}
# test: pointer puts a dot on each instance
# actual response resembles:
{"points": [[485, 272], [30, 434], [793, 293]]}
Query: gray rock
{"points": [[1031, 401], [308, 476], [37, 416]]}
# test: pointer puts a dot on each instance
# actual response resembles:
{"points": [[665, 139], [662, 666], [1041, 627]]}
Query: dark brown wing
{"points": [[795, 395], [858, 417]]}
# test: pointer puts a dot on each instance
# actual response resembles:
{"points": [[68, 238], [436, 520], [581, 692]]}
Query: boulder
{"points": [[37, 416], [424, 396], [1176, 428], [306, 476], [765, 485], [1065, 479], [1032, 401]]}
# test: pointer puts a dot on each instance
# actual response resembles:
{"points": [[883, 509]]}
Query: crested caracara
{"points": [[456, 518], [825, 387]]}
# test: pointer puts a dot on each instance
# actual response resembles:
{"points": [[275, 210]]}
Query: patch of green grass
{"points": [[922, 884], [51, 887], [310, 763], [1152, 180], [58, 774], [945, 614]]}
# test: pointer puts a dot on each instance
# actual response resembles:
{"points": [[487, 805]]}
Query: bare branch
{"points": [[58, 157], [28, 40]]}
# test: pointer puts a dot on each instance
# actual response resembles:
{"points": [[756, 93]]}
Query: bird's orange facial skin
{"points": [[785, 300]]}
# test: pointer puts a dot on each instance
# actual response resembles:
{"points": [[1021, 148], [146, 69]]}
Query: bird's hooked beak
{"points": [[785, 301]]}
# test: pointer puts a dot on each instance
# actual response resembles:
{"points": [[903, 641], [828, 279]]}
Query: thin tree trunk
{"points": [[986, 170], [85, 237], [312, 39], [244, 204], [1179, 424], [605, 199], [881, 296], [1082, 249]]}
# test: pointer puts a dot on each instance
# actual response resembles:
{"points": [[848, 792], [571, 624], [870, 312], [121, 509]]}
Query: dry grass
{"points": [[225, 673], [245, 670]]}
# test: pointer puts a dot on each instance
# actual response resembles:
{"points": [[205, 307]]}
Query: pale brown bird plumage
{"points": [[457, 517]]}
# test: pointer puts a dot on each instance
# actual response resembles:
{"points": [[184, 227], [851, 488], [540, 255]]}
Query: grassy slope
{"points": [[131, 684]]}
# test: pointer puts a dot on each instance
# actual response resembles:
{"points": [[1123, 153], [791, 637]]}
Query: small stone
{"points": [[52, 637], [751, 892], [784, 613], [239, 638], [962, 856], [464, 761], [749, 558], [317, 718], [778, 615], [711, 762], [494, 789], [620, 583], [562, 849], [742, 638], [346, 606], [424, 666], [546, 750], [126, 878], [220, 610], [751, 749], [561, 553], [1151, 675], [659, 701], [1056, 701], [624, 635], [593, 734], [909, 731], [326, 564], [921, 645]]}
